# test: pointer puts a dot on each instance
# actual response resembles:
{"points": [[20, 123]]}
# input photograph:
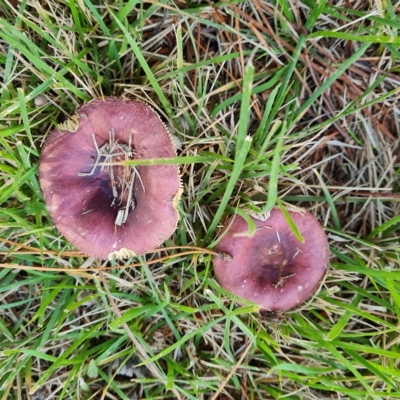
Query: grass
{"points": [[273, 102]]}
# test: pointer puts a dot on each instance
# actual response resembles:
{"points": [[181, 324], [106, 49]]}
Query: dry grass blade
{"points": [[223, 76]]}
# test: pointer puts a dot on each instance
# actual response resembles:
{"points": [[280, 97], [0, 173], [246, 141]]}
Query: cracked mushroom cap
{"points": [[273, 268], [111, 211]]}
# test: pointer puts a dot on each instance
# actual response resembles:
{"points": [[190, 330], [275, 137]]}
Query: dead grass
{"points": [[82, 333]]}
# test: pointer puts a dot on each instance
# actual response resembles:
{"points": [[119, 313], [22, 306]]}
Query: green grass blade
{"points": [[290, 222], [152, 80], [342, 69], [273, 178], [243, 143], [330, 201]]}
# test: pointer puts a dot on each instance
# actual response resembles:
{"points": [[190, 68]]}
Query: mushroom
{"points": [[272, 268], [109, 210]]}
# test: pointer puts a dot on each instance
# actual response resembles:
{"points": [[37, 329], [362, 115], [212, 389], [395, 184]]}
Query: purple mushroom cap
{"points": [[273, 268], [111, 211]]}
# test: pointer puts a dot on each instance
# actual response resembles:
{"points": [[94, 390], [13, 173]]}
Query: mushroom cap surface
{"points": [[80, 206], [273, 268]]}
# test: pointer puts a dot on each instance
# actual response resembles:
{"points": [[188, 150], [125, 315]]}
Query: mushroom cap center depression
{"points": [[117, 181], [276, 255]]}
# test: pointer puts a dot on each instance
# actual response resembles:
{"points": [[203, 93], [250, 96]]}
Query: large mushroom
{"points": [[272, 268], [108, 210]]}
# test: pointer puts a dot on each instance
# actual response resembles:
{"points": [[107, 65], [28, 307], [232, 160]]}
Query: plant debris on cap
{"points": [[111, 211], [272, 268]]}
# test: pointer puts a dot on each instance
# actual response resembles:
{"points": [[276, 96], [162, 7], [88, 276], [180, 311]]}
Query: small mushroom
{"points": [[40, 100], [272, 268], [108, 210]]}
